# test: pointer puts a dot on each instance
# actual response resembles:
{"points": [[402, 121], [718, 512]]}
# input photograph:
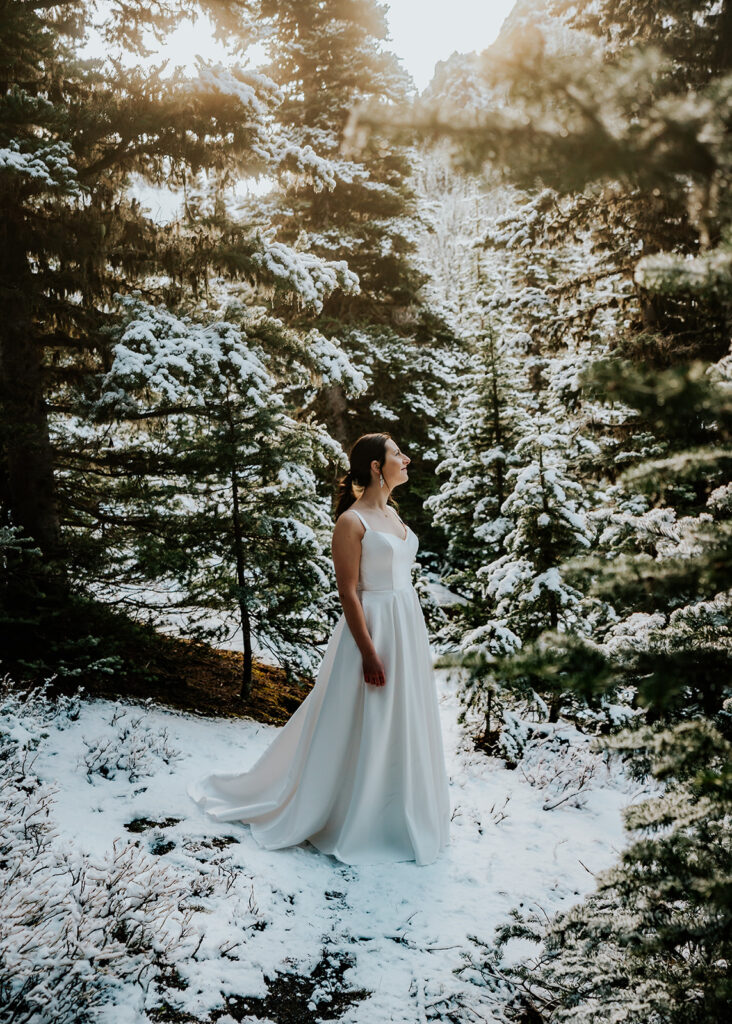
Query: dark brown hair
{"points": [[367, 448]]}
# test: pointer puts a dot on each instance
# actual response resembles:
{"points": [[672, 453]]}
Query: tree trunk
{"points": [[555, 706], [488, 711], [336, 411], [246, 626], [26, 444], [246, 674], [34, 588], [722, 57], [496, 413]]}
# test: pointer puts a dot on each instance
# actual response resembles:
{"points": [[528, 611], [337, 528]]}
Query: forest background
{"points": [[525, 274]]}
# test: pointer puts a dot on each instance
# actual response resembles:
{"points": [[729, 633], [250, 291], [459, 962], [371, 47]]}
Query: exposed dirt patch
{"points": [[291, 998], [298, 998], [488, 742], [160, 847], [167, 1014], [143, 824], [193, 676]]}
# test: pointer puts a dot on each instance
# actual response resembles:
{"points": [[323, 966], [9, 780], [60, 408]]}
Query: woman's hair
{"points": [[364, 451]]}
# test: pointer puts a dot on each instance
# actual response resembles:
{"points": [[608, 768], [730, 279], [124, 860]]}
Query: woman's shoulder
{"points": [[349, 521]]}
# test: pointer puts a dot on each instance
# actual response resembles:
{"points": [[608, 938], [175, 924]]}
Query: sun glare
{"points": [[423, 32]]}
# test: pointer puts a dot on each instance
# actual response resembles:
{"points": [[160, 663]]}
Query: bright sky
{"points": [[423, 32]]}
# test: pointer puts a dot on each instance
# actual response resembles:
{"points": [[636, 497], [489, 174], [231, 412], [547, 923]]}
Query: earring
{"points": [[381, 479]]}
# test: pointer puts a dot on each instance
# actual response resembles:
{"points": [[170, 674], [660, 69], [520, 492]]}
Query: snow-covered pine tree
{"points": [[454, 208], [479, 454], [662, 503], [219, 505], [327, 58], [654, 943], [75, 133], [530, 512], [547, 524], [531, 260], [479, 434], [453, 212], [695, 36], [468, 507]]}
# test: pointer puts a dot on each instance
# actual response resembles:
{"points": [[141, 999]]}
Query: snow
{"points": [[664, 270], [304, 163], [404, 926], [333, 363], [443, 596], [312, 278], [48, 166], [169, 354], [491, 638], [550, 579], [246, 85]]}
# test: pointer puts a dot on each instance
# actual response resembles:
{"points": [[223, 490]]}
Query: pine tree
{"points": [[555, 118], [696, 37], [480, 453], [654, 942], [75, 133], [526, 259], [327, 58], [225, 484]]}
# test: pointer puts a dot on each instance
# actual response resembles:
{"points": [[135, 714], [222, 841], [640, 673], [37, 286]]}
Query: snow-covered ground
{"points": [[398, 930]]}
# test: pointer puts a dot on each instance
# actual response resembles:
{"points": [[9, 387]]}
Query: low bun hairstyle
{"points": [[367, 448]]}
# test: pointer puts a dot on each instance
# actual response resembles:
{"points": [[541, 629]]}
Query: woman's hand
{"points": [[373, 669]]}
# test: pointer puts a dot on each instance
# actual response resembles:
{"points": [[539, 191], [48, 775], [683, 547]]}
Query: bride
{"points": [[359, 769]]}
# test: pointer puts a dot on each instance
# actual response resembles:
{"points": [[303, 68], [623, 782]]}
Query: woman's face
{"points": [[395, 464]]}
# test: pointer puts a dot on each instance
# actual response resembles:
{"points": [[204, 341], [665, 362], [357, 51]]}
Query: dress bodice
{"points": [[386, 560]]}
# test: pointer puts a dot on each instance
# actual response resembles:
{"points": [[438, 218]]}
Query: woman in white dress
{"points": [[359, 769]]}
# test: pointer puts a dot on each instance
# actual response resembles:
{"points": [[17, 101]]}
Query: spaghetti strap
{"points": [[361, 518]]}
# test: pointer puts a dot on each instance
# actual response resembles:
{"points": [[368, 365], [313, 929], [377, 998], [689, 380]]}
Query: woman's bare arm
{"points": [[346, 549]]}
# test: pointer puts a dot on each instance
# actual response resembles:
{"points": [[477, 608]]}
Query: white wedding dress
{"points": [[359, 770]]}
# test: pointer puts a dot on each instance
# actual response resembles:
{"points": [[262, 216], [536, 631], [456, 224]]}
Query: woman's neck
{"points": [[375, 499]]}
